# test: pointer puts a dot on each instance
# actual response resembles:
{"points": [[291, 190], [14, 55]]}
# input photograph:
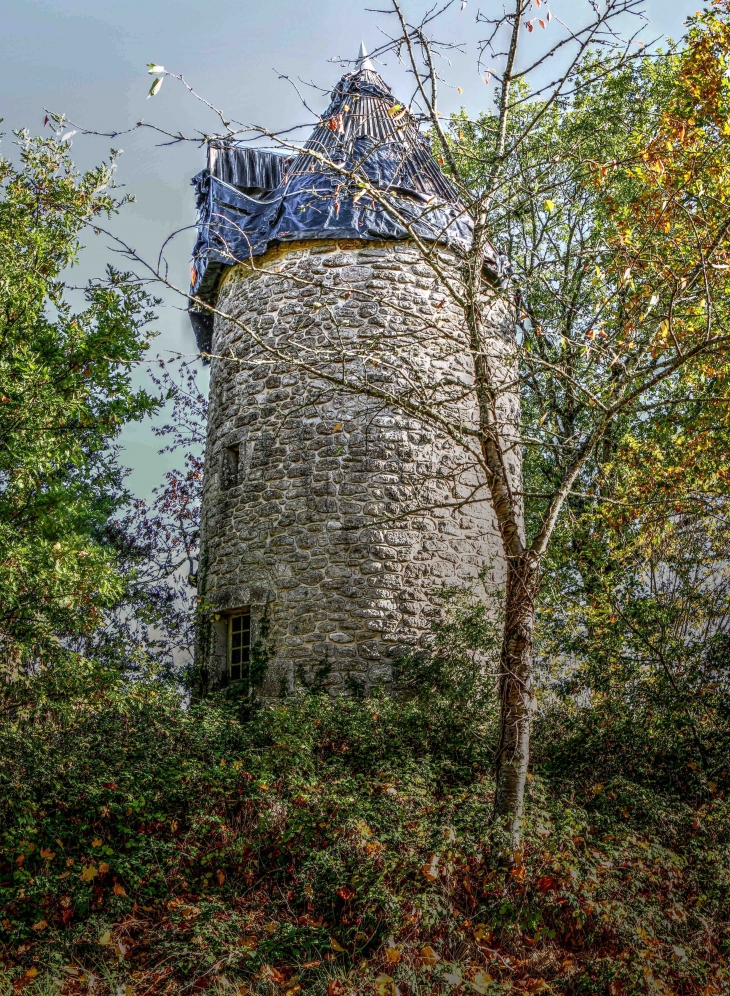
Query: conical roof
{"points": [[366, 127], [249, 200]]}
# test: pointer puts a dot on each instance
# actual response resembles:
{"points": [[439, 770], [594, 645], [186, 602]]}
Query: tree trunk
{"points": [[515, 692]]}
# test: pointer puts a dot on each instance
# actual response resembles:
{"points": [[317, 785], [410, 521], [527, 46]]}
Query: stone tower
{"points": [[332, 519]]}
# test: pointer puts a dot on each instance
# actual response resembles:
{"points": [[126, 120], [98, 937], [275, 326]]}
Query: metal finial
{"points": [[363, 59]]}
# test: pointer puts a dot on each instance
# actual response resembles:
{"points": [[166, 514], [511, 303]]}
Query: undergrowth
{"points": [[335, 847]]}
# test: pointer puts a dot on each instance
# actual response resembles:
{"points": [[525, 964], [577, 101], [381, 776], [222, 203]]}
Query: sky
{"points": [[87, 59]]}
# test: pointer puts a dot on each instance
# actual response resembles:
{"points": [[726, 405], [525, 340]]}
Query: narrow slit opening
{"points": [[230, 466]]}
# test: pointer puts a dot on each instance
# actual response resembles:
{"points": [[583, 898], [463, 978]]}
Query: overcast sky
{"points": [[87, 59]]}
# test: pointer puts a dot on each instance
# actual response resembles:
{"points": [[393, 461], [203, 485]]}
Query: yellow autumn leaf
{"points": [[119, 890], [428, 955], [481, 983], [88, 873], [384, 985], [106, 937], [41, 925], [97, 842], [103, 867], [336, 946]]}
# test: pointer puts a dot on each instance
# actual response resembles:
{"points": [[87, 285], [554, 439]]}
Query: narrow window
{"points": [[239, 643], [230, 467]]}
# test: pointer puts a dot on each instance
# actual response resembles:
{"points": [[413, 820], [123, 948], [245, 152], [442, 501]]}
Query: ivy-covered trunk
{"points": [[515, 691]]}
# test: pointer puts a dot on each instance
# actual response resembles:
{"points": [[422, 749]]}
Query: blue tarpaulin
{"points": [[250, 199]]}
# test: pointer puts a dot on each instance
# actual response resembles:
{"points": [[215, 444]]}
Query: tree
{"points": [[158, 542], [612, 209], [606, 190], [66, 392]]}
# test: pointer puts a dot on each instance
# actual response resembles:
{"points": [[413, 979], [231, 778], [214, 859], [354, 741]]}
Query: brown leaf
{"points": [[430, 869]]}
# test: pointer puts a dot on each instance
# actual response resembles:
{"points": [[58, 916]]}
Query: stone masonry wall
{"points": [[337, 517]]}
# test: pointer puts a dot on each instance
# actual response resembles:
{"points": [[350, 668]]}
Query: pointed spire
{"points": [[363, 59]]}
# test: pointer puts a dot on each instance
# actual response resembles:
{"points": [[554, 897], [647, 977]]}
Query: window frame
{"points": [[245, 647]]}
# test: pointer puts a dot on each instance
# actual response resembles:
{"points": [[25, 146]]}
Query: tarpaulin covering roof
{"points": [[249, 199]]}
